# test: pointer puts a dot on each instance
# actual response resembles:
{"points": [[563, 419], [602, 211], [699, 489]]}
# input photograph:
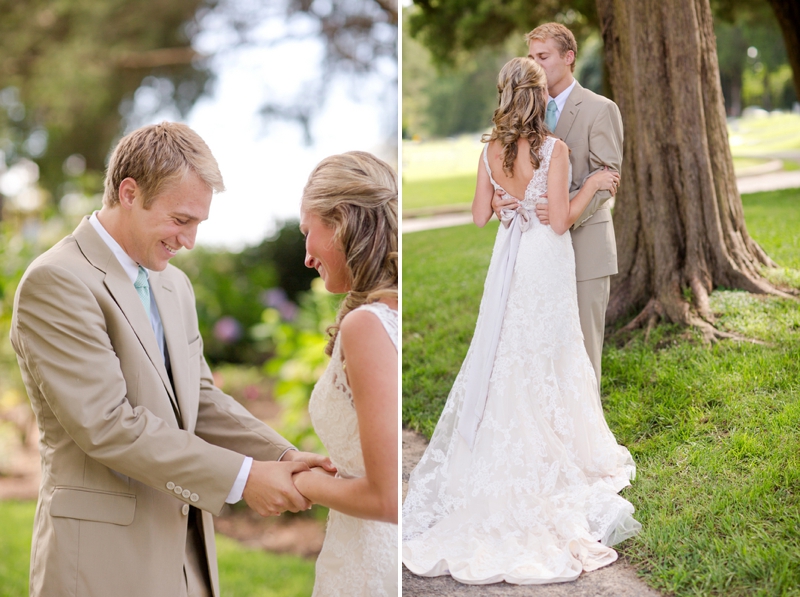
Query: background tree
{"points": [[359, 39], [788, 14], [753, 62], [68, 72], [678, 218]]}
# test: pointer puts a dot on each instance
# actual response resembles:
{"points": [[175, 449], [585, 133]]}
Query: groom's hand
{"points": [[543, 213], [269, 489], [501, 200], [310, 459]]}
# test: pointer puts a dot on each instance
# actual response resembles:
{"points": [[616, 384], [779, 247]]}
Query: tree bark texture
{"points": [[678, 215], [788, 14]]}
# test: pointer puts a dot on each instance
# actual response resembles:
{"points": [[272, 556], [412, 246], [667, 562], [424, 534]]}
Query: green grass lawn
{"points": [[421, 194], [715, 431], [16, 522], [778, 132], [242, 572]]}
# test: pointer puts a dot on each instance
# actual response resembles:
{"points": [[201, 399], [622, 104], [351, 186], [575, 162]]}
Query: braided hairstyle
{"points": [[355, 193], [522, 86]]}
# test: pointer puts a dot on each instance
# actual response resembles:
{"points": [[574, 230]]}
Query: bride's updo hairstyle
{"points": [[355, 193], [522, 86]]}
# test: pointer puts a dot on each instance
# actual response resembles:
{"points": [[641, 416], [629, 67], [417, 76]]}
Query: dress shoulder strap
{"points": [[548, 146], [387, 316], [486, 158], [488, 169]]}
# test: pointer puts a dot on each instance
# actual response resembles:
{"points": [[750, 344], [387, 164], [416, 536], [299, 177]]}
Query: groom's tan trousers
{"points": [[592, 303]]}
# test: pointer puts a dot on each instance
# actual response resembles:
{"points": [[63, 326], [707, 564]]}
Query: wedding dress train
{"points": [[535, 498]]}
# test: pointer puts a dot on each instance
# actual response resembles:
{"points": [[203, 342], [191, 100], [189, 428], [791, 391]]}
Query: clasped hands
{"points": [[608, 181], [270, 488]]}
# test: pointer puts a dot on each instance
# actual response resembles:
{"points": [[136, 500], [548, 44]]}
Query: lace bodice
{"points": [[331, 405], [359, 557], [537, 186]]}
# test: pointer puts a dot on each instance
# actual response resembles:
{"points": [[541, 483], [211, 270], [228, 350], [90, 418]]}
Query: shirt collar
{"points": [[561, 98], [128, 264]]}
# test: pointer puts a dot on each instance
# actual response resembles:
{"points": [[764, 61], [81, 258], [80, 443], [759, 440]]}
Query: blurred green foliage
{"points": [[233, 289], [753, 63], [453, 50], [299, 359], [69, 71]]}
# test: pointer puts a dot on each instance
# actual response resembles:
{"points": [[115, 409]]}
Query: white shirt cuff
{"points": [[241, 480], [284, 453]]}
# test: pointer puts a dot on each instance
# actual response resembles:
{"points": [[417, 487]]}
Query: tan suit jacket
{"points": [[125, 451], [591, 126]]}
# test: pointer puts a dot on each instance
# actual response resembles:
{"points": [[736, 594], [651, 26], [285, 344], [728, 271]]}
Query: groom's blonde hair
{"points": [[355, 193], [559, 34], [157, 156]]}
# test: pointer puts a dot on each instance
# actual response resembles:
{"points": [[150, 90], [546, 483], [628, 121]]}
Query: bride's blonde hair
{"points": [[355, 193], [522, 87]]}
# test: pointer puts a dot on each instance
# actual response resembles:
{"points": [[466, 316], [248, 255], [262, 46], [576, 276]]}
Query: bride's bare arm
{"points": [[562, 212], [371, 365], [484, 191]]}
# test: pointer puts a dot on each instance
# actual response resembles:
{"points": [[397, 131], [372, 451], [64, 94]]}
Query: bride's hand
{"points": [[321, 471], [606, 180], [299, 479], [311, 459]]}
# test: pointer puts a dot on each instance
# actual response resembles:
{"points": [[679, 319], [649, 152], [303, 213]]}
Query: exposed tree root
{"points": [[654, 312]]}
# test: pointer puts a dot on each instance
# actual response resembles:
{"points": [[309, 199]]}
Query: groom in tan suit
{"points": [[138, 447], [591, 127]]}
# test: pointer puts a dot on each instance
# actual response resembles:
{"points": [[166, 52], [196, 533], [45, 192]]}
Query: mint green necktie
{"points": [[143, 289], [550, 116]]}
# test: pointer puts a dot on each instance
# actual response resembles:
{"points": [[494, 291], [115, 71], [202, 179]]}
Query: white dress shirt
{"points": [[561, 99], [132, 269]]}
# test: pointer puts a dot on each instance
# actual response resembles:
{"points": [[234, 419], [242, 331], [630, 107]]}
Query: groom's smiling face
{"points": [[556, 67]]}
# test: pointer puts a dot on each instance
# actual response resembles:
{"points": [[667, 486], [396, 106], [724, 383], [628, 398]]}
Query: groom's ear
{"points": [[569, 57], [128, 191]]}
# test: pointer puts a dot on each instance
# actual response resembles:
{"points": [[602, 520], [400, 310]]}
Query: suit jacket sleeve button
{"points": [[178, 489], [185, 509], [186, 493], [170, 485], [194, 497]]}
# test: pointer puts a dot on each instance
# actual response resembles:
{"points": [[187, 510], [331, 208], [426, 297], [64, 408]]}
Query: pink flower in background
{"points": [[227, 330], [277, 299]]}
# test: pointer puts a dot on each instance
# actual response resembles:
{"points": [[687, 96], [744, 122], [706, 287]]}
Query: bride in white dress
{"points": [[519, 482], [349, 219]]}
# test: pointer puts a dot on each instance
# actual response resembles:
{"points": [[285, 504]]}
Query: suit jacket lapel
{"points": [[176, 343], [570, 113], [120, 287]]}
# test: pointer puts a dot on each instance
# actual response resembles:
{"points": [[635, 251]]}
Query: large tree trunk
{"points": [[788, 14], [678, 216]]}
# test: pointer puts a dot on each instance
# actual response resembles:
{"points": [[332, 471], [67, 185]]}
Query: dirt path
{"points": [[617, 580]]}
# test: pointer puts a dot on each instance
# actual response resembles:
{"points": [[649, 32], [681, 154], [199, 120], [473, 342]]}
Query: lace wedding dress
{"points": [[359, 557], [535, 498]]}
